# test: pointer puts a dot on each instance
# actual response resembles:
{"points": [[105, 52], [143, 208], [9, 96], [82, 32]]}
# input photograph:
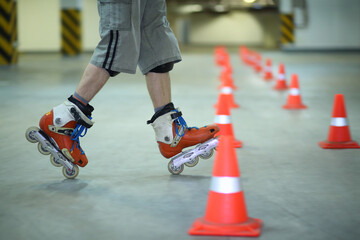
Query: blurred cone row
{"points": [[226, 97], [339, 132], [226, 213]]}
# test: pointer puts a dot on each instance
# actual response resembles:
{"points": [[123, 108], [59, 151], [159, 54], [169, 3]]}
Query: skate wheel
{"points": [[175, 170], [43, 150], [54, 162], [29, 134], [193, 162], [207, 155], [71, 174]]}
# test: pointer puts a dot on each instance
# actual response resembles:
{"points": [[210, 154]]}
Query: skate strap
{"points": [[79, 119], [176, 115]]}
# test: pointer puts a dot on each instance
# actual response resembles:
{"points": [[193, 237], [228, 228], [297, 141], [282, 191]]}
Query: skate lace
{"points": [[79, 131], [180, 122]]}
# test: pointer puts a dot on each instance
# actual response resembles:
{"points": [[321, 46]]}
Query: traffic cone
{"points": [[268, 70], [226, 68], [229, 96], [258, 63], [339, 132], [294, 97], [281, 80], [251, 58], [221, 56], [223, 119], [226, 213], [227, 81], [243, 54]]}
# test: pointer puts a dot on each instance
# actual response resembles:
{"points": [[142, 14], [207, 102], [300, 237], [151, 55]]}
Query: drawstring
{"points": [[78, 132]]}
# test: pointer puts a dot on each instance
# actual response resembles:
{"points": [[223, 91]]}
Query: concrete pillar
{"points": [[71, 34], [8, 32], [287, 26]]}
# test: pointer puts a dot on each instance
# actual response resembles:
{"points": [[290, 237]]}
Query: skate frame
{"points": [[190, 154]]}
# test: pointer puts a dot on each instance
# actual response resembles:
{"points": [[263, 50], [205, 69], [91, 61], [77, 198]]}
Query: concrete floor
{"points": [[299, 190]]}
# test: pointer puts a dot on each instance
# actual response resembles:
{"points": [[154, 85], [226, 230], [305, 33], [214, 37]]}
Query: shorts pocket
{"points": [[115, 14], [161, 41]]}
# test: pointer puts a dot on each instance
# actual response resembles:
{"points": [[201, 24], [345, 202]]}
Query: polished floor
{"points": [[298, 189]]}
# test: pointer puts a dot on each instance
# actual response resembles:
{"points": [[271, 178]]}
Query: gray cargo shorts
{"points": [[134, 32]]}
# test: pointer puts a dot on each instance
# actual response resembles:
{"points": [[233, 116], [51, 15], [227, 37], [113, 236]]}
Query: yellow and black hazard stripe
{"points": [[70, 31], [287, 28], [8, 32]]}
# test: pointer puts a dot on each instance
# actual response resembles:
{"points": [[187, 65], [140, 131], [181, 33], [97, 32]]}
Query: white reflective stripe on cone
{"points": [[222, 119], [226, 90], [281, 76], [225, 185], [339, 122], [294, 91]]}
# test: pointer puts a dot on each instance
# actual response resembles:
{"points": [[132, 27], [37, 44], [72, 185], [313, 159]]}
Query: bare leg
{"points": [[93, 79], [159, 87]]}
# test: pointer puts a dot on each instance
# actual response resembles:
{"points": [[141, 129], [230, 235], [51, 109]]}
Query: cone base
{"points": [[294, 106], [338, 145], [238, 144], [280, 88], [249, 228], [232, 105], [268, 78]]}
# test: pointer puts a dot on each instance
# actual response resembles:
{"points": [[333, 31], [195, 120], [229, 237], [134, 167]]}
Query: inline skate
{"points": [[174, 138], [58, 135]]}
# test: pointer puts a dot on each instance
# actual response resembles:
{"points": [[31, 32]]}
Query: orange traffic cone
{"points": [[226, 213], [251, 58], [227, 81], [223, 119], [226, 68], [243, 54], [281, 80], [229, 96], [258, 63], [268, 70], [294, 97], [339, 132], [221, 56]]}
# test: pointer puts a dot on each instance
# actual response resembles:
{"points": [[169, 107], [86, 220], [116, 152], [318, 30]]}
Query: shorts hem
{"points": [[158, 63], [119, 70]]}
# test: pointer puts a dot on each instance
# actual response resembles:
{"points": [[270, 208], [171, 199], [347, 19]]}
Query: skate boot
{"points": [[58, 135], [173, 136]]}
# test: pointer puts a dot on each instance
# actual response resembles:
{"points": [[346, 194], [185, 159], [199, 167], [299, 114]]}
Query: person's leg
{"points": [[171, 130], [93, 79], [159, 51], [159, 87]]}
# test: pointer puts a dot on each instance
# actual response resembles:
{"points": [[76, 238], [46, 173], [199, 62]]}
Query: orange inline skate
{"points": [[59, 132], [173, 136]]}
